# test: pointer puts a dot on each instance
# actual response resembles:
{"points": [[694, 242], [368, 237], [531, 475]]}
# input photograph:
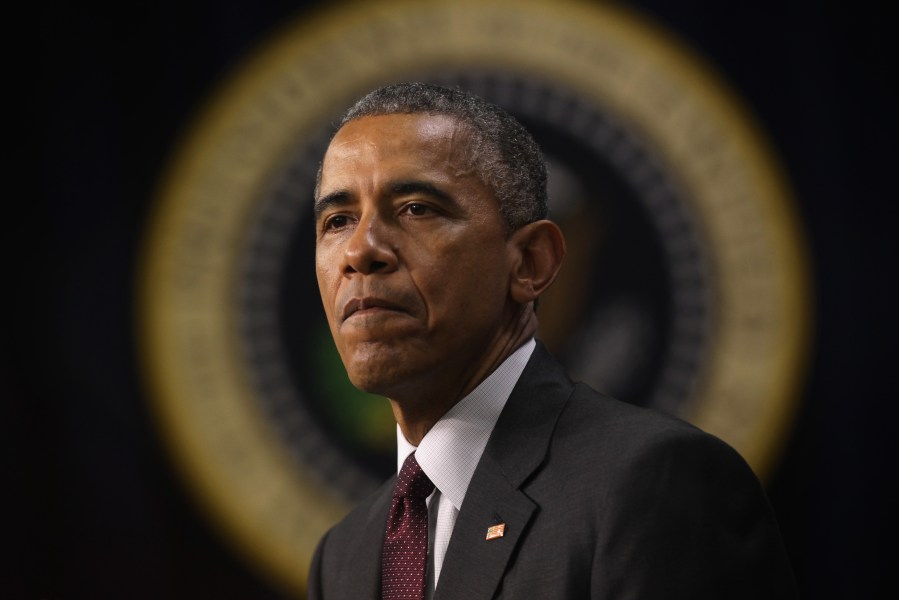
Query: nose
{"points": [[369, 249]]}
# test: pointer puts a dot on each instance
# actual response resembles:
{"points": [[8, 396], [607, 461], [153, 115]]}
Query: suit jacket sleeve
{"points": [[688, 519], [314, 585]]}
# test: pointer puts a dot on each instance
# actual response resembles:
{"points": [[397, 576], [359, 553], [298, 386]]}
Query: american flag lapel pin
{"points": [[496, 531]]}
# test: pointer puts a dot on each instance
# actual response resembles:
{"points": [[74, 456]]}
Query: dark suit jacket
{"points": [[600, 499]]}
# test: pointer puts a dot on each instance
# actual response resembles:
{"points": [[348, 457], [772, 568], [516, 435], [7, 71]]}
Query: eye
{"points": [[335, 222], [417, 209]]}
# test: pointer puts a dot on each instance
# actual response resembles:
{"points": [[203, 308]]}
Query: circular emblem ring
{"points": [[234, 210]]}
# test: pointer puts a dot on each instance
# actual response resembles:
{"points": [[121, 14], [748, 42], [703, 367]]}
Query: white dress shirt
{"points": [[451, 450]]}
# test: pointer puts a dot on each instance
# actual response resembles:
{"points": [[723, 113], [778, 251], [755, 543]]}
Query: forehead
{"points": [[435, 142]]}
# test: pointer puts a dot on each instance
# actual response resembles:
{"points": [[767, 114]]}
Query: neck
{"points": [[417, 413]]}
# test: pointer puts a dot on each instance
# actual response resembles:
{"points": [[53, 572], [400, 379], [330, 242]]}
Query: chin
{"points": [[375, 373], [373, 383], [388, 369]]}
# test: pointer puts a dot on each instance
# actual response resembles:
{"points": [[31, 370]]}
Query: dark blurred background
{"points": [[99, 512]]}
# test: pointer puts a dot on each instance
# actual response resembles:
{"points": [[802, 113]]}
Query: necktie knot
{"points": [[412, 481]]}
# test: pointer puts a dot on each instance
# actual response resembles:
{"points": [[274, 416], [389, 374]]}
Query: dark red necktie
{"points": [[405, 551]]}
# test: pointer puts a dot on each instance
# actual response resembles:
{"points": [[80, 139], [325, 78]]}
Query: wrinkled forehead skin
{"points": [[457, 139]]}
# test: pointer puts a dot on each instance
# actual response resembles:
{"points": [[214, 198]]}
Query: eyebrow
{"points": [[339, 198], [408, 188], [400, 188]]}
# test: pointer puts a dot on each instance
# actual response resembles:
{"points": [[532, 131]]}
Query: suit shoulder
{"points": [[595, 410], [595, 424], [347, 529], [346, 559], [672, 511]]}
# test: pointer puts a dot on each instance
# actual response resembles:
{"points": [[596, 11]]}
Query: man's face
{"points": [[411, 256]]}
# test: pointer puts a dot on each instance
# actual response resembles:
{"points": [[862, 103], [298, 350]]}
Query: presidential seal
{"points": [[685, 288]]}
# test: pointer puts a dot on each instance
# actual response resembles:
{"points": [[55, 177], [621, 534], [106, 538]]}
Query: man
{"points": [[432, 249]]}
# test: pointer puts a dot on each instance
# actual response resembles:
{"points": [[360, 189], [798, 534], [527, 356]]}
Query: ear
{"points": [[538, 248]]}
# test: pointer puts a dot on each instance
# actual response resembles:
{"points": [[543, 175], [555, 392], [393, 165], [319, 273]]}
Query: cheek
{"points": [[326, 277], [475, 281]]}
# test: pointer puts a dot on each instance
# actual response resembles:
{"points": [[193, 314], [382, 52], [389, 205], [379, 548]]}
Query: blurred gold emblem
{"points": [[685, 289]]}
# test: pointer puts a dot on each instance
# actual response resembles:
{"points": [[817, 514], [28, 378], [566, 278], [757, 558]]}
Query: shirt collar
{"points": [[451, 450]]}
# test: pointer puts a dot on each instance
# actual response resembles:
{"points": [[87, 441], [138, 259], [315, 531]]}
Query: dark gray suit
{"points": [[600, 500]]}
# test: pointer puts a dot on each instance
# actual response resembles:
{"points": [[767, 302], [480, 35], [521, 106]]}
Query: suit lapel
{"points": [[474, 566]]}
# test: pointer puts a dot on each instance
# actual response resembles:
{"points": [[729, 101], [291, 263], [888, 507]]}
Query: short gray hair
{"points": [[502, 152]]}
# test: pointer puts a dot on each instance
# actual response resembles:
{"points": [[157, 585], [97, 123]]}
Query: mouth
{"points": [[367, 306]]}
